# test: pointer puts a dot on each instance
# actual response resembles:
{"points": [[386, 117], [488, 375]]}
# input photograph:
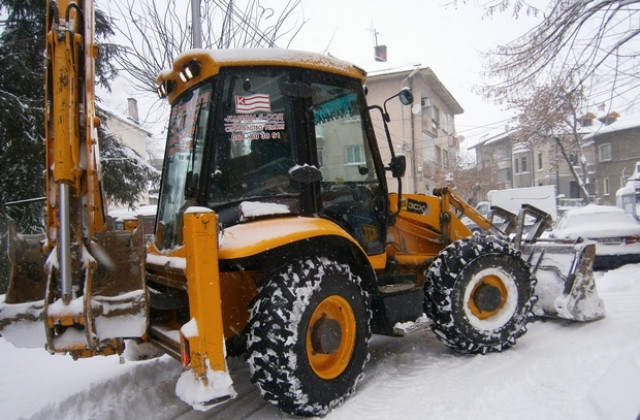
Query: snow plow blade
{"points": [[109, 299], [566, 287]]}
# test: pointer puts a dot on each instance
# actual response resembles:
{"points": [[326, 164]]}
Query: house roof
{"points": [[592, 132], [493, 137], [119, 116], [381, 69]]}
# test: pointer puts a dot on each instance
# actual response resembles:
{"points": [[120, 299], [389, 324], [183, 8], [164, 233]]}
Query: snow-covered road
{"points": [[558, 370]]}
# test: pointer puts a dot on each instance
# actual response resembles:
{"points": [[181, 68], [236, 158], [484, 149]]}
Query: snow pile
{"points": [[193, 391]]}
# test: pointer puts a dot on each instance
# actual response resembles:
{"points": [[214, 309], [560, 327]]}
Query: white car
{"points": [[616, 233]]}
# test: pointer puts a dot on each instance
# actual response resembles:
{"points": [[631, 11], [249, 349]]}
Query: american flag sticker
{"points": [[259, 102]]}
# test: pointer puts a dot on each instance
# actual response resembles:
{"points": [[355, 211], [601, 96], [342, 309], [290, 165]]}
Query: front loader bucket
{"points": [[566, 287], [109, 301]]}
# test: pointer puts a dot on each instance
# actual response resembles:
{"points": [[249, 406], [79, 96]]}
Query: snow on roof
{"points": [[624, 124], [375, 68], [493, 136]]}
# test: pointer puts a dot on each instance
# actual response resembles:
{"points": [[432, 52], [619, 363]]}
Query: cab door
{"points": [[352, 191]]}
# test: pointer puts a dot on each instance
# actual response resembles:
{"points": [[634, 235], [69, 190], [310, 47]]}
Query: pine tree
{"points": [[22, 121]]}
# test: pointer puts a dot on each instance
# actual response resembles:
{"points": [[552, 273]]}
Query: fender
{"points": [[249, 239]]}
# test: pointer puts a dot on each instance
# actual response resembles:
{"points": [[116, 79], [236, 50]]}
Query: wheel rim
{"points": [[331, 337], [490, 299]]}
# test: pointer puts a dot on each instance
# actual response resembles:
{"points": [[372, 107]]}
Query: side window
{"points": [[340, 138], [350, 191]]}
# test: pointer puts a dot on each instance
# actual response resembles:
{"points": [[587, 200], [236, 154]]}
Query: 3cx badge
{"points": [[417, 207]]}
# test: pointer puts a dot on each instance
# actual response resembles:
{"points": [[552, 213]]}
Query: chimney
{"points": [[380, 53], [132, 104], [610, 118]]}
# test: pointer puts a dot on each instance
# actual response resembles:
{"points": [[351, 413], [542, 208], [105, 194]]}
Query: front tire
{"points": [[479, 293], [308, 336]]}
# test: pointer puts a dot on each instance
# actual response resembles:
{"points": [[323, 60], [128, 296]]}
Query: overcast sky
{"points": [[432, 33]]}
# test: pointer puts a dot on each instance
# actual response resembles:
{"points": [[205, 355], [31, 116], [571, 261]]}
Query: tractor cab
{"points": [[273, 141]]}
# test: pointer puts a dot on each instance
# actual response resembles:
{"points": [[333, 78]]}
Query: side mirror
{"points": [[305, 174], [398, 166], [405, 96]]}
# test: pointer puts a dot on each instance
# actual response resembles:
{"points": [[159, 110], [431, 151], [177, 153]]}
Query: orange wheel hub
{"points": [[488, 296], [331, 337]]}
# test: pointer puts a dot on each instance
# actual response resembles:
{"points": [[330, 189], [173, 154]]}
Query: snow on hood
{"points": [[595, 221], [251, 209]]}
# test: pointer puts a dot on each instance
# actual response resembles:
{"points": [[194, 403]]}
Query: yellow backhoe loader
{"points": [[276, 235]]}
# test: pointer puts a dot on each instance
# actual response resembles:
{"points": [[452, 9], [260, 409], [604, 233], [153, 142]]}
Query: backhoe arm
{"points": [[90, 293], [75, 210], [450, 202]]}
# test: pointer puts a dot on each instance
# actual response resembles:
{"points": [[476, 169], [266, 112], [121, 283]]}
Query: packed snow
{"points": [[558, 370]]}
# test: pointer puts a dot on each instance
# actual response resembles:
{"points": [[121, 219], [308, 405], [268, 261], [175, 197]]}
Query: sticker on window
{"points": [[250, 104], [255, 126]]}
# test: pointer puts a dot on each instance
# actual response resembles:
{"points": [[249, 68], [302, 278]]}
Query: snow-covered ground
{"points": [[558, 370]]}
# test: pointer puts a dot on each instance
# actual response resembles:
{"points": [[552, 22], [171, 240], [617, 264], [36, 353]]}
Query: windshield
{"points": [[254, 153], [182, 163]]}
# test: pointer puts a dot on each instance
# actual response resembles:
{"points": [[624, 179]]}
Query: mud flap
{"points": [[566, 287], [110, 300]]}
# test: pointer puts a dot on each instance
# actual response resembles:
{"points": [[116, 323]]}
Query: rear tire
{"points": [[308, 336], [479, 293]]}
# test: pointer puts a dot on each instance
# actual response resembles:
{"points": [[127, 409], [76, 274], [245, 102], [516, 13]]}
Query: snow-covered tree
{"points": [[22, 153]]}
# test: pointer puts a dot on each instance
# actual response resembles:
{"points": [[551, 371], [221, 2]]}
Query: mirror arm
{"points": [[385, 119]]}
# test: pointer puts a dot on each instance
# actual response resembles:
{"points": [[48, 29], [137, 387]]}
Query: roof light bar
{"points": [[190, 71]]}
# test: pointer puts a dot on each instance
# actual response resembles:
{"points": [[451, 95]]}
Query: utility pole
{"points": [[196, 24]]}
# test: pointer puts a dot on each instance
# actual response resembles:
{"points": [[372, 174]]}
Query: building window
{"points": [[539, 161], [604, 152], [500, 153], [354, 154], [605, 186], [435, 118], [445, 159], [502, 175], [520, 165]]}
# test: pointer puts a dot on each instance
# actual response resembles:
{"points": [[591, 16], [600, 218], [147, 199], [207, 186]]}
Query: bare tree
{"points": [[156, 32], [582, 53], [594, 41], [551, 113]]}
